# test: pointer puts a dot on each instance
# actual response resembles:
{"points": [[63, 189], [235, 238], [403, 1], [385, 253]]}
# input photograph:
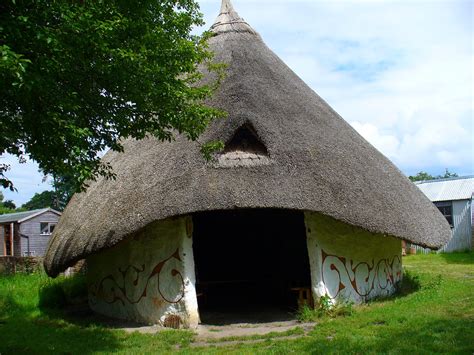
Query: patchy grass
{"points": [[433, 313], [268, 336]]}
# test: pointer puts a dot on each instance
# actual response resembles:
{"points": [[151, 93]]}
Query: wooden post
{"points": [[12, 231], [4, 244]]}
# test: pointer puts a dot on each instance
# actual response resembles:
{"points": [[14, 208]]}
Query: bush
{"points": [[326, 308]]}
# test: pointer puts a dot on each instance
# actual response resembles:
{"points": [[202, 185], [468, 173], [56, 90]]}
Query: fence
{"points": [[453, 245], [29, 264], [14, 264]]}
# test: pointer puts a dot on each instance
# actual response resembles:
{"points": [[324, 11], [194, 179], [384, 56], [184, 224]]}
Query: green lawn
{"points": [[433, 314]]}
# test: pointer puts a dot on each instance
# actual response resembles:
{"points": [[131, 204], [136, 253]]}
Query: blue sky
{"points": [[400, 72]]}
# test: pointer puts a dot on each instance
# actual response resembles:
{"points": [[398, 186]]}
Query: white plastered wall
{"points": [[349, 263], [148, 278]]}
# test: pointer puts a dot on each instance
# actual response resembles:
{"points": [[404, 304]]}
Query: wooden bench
{"points": [[305, 296]]}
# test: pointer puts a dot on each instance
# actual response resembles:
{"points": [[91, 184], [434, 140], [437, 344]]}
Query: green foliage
{"points": [[424, 176], [64, 188], [325, 308], [9, 204], [210, 148], [325, 304], [44, 199], [447, 174], [80, 76], [421, 176], [306, 314], [5, 210]]}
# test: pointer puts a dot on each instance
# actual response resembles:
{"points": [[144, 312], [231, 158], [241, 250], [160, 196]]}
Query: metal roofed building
{"points": [[27, 233], [454, 197]]}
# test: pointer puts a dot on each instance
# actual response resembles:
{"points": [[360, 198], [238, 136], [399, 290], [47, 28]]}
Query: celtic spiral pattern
{"points": [[111, 291]]}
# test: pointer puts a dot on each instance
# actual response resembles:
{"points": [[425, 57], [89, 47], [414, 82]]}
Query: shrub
{"points": [[325, 308]]}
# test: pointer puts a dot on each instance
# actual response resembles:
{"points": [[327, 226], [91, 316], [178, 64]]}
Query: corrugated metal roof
{"points": [[459, 188], [14, 217]]}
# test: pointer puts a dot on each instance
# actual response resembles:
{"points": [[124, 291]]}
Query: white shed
{"points": [[454, 197]]}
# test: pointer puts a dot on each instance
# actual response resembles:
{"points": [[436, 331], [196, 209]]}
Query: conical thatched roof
{"points": [[286, 148]]}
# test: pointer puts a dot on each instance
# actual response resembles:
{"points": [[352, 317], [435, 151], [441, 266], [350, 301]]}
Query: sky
{"points": [[400, 72]]}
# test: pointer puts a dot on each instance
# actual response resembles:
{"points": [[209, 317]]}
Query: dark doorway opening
{"points": [[247, 263]]}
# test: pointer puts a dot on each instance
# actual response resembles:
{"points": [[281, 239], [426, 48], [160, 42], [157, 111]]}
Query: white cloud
{"points": [[400, 72], [26, 178], [384, 142]]}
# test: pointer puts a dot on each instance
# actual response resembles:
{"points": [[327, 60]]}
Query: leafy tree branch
{"points": [[78, 77]]}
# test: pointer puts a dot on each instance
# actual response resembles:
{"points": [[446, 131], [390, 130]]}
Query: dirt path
{"points": [[228, 335], [212, 332], [238, 333]]}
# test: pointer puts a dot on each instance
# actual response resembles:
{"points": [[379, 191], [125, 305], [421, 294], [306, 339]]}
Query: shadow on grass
{"points": [[466, 257], [410, 283], [67, 300], [22, 331], [64, 310]]}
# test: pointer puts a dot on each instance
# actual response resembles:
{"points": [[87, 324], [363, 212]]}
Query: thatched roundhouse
{"points": [[297, 201]]}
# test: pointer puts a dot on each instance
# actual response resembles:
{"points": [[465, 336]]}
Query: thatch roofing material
{"points": [[318, 163]]}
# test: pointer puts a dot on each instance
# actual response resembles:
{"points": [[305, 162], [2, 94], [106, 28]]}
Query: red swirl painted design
{"points": [[110, 291], [363, 278]]}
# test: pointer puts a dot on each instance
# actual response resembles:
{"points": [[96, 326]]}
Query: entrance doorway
{"points": [[248, 263]]}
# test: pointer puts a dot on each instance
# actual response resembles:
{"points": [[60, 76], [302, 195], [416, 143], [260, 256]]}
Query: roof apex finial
{"points": [[226, 6], [230, 21]]}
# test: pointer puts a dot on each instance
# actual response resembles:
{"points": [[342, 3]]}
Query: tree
{"points": [[79, 76], [421, 176], [4, 210], [63, 191], [6, 206], [424, 176], [9, 204], [44, 199], [447, 175]]}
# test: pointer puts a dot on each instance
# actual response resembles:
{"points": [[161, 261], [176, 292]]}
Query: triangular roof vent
{"points": [[244, 149], [245, 140]]}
